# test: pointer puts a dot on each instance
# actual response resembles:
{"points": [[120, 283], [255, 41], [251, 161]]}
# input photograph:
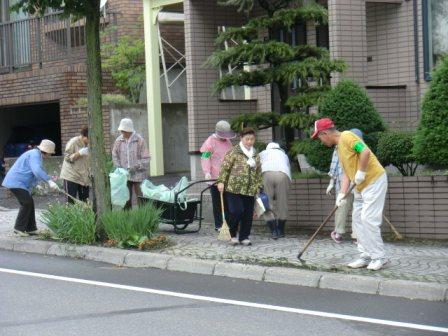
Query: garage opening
{"points": [[23, 127]]}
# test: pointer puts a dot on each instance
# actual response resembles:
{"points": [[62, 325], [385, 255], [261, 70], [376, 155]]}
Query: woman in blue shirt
{"points": [[23, 176]]}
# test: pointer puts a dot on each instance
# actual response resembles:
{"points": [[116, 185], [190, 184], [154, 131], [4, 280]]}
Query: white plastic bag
{"points": [[119, 187], [259, 207], [163, 193]]}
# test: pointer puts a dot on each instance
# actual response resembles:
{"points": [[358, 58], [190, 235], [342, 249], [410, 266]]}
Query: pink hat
{"points": [[322, 125]]}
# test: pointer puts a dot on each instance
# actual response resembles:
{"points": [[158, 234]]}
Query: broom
{"points": [[224, 233]]}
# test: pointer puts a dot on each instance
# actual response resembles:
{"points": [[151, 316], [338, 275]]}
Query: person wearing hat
{"points": [[276, 171], [341, 215], [23, 176], [76, 167], [361, 167], [213, 151], [131, 153]]}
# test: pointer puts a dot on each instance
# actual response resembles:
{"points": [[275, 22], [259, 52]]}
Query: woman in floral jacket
{"points": [[240, 177]]}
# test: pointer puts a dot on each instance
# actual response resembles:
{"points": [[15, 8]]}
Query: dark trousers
{"points": [[26, 220], [76, 191], [133, 186], [216, 202], [241, 211]]}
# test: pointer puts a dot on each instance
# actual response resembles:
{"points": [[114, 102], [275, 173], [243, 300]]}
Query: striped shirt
{"points": [[336, 172]]}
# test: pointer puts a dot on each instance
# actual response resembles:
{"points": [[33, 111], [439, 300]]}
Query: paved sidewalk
{"points": [[415, 261]]}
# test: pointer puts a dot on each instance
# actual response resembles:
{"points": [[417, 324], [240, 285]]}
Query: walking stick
{"points": [[397, 234], [322, 225]]}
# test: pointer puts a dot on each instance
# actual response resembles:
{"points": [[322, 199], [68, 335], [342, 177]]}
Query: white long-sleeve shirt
{"points": [[273, 158]]}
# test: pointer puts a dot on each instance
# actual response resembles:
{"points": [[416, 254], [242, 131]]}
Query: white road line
{"points": [[231, 302]]}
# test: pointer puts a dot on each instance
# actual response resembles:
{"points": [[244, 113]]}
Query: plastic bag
{"points": [[160, 192], [119, 187], [259, 207], [163, 193]]}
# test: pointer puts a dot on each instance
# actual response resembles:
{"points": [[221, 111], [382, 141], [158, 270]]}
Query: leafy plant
{"points": [[431, 142], [126, 62], [74, 223], [396, 148], [349, 106], [133, 227], [317, 155]]}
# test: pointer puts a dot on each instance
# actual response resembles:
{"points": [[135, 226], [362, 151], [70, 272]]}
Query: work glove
{"points": [[330, 187], [360, 177], [208, 176], [40, 188], [341, 200], [53, 185], [84, 151]]}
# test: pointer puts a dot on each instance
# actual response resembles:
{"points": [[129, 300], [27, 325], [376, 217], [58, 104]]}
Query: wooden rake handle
{"points": [[322, 225]]}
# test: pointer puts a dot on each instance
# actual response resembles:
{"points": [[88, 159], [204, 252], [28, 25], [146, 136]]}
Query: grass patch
{"points": [[131, 228], [73, 223]]}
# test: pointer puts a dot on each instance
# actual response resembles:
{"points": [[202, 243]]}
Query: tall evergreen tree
{"points": [[277, 63], [90, 10], [431, 141]]}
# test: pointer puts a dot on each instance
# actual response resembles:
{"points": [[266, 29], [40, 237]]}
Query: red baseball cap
{"points": [[322, 125]]}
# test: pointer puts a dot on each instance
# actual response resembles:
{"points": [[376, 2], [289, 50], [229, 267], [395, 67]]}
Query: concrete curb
{"points": [[289, 276]]}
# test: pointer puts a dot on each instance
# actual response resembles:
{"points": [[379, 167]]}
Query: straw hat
{"points": [[223, 130], [47, 146], [126, 125]]}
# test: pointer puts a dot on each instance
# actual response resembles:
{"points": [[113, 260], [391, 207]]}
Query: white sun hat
{"points": [[47, 146], [126, 125]]}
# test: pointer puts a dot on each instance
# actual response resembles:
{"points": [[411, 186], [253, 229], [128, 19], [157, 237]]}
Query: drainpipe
{"points": [[416, 44]]}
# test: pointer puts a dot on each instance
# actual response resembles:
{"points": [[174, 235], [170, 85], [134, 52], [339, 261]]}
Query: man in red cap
{"points": [[361, 167]]}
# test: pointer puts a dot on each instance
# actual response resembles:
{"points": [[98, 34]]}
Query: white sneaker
{"points": [[359, 263], [21, 233], [35, 232], [233, 241], [246, 242], [377, 264]]}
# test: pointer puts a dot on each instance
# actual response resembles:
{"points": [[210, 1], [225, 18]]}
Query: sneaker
{"points": [[34, 232], [233, 241], [246, 242], [359, 263], [21, 233], [336, 237], [377, 264]]}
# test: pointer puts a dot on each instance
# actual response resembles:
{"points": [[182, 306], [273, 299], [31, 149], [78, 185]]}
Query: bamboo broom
{"points": [[224, 233]]}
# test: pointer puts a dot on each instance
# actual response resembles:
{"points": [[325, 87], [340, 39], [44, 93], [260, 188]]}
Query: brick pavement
{"points": [[410, 260]]}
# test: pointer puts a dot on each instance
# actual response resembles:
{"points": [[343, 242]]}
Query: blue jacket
{"points": [[26, 172]]}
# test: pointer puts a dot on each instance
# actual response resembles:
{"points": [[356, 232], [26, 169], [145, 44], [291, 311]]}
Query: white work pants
{"points": [[367, 218]]}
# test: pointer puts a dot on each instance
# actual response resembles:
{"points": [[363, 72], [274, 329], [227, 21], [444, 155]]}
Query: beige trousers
{"points": [[276, 186], [341, 216]]}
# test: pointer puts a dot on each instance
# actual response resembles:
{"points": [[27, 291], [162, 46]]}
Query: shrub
{"points": [[349, 107], [133, 227], [74, 223], [431, 142], [396, 148], [317, 154]]}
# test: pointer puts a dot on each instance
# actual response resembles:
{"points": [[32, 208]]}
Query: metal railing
{"points": [[46, 39]]}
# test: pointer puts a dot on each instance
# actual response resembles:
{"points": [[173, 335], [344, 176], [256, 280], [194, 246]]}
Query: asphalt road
{"points": [[41, 295]]}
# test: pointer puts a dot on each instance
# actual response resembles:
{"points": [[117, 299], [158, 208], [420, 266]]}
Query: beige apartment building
{"points": [[390, 47]]}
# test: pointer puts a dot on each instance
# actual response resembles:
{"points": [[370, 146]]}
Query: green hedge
{"points": [[431, 140], [396, 148]]}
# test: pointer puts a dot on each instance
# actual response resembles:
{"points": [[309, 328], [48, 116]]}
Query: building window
{"points": [[435, 33]]}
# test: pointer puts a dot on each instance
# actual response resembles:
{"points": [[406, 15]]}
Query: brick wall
{"points": [[377, 41], [416, 206]]}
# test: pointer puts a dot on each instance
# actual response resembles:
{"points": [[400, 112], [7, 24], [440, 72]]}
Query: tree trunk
{"points": [[94, 88]]}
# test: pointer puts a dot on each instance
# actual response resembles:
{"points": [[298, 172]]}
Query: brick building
{"points": [[42, 76], [390, 47]]}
